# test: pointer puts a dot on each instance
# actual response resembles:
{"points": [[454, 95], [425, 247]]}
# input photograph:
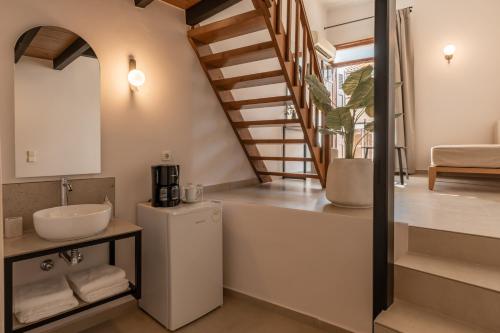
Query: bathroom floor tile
{"points": [[236, 316]]}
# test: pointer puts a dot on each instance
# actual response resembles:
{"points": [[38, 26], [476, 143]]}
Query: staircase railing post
{"points": [[279, 8], [304, 64], [288, 29], [297, 46]]}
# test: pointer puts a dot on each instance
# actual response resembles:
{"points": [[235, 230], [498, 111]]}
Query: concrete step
{"points": [[404, 317], [466, 291], [471, 248]]}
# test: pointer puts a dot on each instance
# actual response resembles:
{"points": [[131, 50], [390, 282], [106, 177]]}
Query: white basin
{"points": [[71, 222]]}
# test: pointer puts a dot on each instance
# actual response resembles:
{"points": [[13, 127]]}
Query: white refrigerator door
{"points": [[195, 246]]}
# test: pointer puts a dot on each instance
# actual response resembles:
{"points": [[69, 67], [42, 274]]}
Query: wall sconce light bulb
{"points": [[136, 78], [449, 52]]}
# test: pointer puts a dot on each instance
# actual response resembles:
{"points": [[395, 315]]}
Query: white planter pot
{"points": [[349, 183]]}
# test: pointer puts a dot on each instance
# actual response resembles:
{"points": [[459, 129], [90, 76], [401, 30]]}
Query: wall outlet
{"points": [[166, 156]]}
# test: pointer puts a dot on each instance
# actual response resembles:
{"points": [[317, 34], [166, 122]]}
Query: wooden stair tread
{"points": [[289, 174], [265, 123], [240, 56], [409, 318], [235, 26], [487, 277], [258, 103], [273, 141], [281, 158], [267, 16], [252, 80]]}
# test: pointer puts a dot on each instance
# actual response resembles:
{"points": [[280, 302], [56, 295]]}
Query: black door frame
{"points": [[383, 212]]}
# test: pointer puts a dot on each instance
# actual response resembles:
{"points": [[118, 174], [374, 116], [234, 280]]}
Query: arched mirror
{"points": [[57, 104]]}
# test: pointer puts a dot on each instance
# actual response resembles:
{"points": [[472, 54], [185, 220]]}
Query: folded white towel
{"points": [[34, 295], [95, 278], [105, 292], [47, 310]]}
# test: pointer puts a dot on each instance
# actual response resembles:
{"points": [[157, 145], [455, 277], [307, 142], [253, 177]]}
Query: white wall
{"points": [[176, 109], [135, 127], [354, 31], [58, 117], [350, 12], [457, 103], [317, 15], [318, 264]]}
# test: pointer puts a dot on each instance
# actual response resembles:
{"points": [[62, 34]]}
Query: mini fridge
{"points": [[182, 261]]}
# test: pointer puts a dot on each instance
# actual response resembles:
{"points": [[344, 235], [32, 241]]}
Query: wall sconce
{"points": [[136, 78], [449, 52]]}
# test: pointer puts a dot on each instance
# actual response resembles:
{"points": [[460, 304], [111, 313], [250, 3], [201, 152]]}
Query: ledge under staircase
{"points": [[292, 45]]}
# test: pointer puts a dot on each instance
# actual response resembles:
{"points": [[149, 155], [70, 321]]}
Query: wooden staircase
{"points": [[291, 44]]}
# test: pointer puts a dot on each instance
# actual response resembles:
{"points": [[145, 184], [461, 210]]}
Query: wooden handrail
{"points": [[309, 37], [297, 28]]}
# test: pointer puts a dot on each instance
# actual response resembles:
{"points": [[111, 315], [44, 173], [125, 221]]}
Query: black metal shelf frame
{"points": [[134, 290]]}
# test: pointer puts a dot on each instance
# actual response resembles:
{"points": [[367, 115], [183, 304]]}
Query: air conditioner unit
{"points": [[324, 48]]}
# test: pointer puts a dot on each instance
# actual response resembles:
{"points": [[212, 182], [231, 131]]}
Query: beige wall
{"points": [[176, 109], [457, 103], [318, 264], [346, 13]]}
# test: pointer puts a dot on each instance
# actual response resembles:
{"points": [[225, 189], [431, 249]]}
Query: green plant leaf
{"points": [[355, 78], [319, 94], [363, 95], [370, 110], [339, 119]]}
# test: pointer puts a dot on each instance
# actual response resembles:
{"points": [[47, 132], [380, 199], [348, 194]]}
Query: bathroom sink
{"points": [[71, 222]]}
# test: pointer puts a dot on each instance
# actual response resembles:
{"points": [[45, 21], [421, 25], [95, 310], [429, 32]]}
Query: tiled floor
{"points": [[236, 316], [462, 205]]}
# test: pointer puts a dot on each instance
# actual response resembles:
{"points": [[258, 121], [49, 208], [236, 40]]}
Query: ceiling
{"points": [[50, 42]]}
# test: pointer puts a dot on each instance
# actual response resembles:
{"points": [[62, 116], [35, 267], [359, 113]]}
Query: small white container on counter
{"points": [[13, 227]]}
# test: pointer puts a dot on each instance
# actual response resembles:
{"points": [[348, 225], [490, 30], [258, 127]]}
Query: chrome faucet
{"points": [[72, 257], [65, 189]]}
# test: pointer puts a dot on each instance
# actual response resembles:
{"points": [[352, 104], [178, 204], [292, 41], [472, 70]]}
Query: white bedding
{"points": [[467, 156]]}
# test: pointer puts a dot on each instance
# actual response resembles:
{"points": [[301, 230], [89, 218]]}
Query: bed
{"points": [[465, 159]]}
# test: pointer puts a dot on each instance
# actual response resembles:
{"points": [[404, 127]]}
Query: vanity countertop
{"points": [[30, 242]]}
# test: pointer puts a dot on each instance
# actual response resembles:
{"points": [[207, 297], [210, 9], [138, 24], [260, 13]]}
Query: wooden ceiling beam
{"points": [[89, 54], [206, 9], [24, 42], [75, 50], [142, 3]]}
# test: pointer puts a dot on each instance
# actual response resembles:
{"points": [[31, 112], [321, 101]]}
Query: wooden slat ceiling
{"points": [[50, 42], [184, 4]]}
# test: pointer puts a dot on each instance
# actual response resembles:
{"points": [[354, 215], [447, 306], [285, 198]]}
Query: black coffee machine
{"points": [[166, 191]]}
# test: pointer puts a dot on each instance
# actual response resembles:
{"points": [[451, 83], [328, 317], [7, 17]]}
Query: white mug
{"points": [[193, 193]]}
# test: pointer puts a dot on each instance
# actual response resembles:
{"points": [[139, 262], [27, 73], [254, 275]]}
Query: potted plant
{"points": [[349, 179]]}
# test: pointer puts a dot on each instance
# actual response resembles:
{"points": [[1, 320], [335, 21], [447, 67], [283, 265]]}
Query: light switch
{"points": [[31, 156]]}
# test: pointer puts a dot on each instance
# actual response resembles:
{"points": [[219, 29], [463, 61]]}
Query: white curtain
{"points": [[405, 94]]}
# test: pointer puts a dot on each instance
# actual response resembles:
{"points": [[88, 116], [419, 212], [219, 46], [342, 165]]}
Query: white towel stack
{"points": [[97, 283], [43, 299]]}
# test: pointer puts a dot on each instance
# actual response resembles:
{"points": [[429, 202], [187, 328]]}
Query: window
{"points": [[351, 57]]}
